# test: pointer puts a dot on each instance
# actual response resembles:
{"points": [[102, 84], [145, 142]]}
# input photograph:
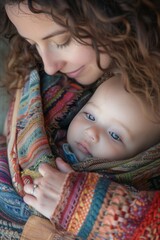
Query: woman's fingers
{"points": [[36, 198], [63, 166], [45, 193], [31, 189], [30, 197], [30, 200], [45, 169]]}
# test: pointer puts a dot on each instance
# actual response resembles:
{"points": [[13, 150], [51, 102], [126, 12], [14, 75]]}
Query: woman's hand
{"points": [[45, 193]]}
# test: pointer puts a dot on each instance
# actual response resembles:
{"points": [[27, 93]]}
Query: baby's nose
{"points": [[92, 134]]}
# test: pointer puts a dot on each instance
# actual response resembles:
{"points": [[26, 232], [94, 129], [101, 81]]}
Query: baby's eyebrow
{"points": [[126, 129], [92, 104]]}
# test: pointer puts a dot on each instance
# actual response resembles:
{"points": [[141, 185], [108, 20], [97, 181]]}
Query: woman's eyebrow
{"points": [[59, 32]]}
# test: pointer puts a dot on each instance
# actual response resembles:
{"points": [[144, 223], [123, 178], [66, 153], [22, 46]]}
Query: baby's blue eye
{"points": [[90, 117], [115, 136]]}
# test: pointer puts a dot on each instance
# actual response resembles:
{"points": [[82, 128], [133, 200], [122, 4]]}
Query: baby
{"points": [[114, 124]]}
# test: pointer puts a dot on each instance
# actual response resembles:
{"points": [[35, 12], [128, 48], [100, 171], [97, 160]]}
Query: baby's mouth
{"points": [[83, 148]]}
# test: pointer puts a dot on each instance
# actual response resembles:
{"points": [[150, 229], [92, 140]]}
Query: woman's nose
{"points": [[92, 134], [52, 63]]}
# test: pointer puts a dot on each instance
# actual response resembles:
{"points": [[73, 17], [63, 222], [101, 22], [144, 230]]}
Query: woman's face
{"points": [[57, 50]]}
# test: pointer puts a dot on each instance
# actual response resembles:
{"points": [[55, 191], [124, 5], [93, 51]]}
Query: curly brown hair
{"points": [[128, 31]]}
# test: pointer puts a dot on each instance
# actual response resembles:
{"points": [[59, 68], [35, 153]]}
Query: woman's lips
{"points": [[75, 73]]}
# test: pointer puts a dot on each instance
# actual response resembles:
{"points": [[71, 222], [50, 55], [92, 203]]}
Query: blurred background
{"points": [[4, 96]]}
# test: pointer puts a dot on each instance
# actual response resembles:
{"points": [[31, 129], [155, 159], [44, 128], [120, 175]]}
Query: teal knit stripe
{"points": [[98, 199]]}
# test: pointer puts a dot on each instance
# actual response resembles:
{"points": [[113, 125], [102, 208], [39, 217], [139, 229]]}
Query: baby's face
{"points": [[112, 125]]}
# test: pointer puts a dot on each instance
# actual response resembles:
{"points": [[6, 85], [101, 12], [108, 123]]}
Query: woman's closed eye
{"points": [[115, 136], [61, 45], [65, 44], [61, 40]]}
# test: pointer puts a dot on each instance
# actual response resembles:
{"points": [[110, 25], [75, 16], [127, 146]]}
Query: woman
{"points": [[88, 205]]}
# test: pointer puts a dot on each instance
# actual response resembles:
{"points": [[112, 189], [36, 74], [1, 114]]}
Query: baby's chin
{"points": [[84, 158]]}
